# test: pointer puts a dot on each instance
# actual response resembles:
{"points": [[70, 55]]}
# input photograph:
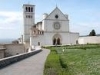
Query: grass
{"points": [[54, 65], [75, 60]]}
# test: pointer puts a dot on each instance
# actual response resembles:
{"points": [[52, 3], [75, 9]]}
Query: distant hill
{"points": [[88, 35]]}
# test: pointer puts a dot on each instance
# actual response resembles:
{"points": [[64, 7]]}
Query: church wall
{"points": [[39, 38], [49, 25], [27, 29], [69, 38], [28, 21], [48, 38], [74, 38], [65, 38], [45, 39], [89, 40]]}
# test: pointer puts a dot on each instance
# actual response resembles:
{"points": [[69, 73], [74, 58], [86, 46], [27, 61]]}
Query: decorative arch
{"points": [[57, 39]]}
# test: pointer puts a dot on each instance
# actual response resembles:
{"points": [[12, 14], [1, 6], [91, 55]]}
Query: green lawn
{"points": [[75, 60]]}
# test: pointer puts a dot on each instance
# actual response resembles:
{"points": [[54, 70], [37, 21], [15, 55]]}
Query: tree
{"points": [[92, 33]]}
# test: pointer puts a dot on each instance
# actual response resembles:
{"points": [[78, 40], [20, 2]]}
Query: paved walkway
{"points": [[30, 66]]}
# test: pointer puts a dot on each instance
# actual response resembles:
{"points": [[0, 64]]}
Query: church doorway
{"points": [[54, 41], [38, 43], [57, 39]]}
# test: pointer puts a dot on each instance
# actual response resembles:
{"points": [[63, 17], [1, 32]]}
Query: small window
{"points": [[30, 16], [56, 16], [26, 16], [38, 43]]}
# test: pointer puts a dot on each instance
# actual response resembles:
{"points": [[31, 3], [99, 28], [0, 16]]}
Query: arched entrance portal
{"points": [[54, 41], [57, 39]]}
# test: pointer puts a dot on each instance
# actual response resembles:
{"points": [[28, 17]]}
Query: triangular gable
{"points": [[55, 12]]}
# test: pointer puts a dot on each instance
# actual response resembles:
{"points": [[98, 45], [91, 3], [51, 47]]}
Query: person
{"points": [[63, 50]]}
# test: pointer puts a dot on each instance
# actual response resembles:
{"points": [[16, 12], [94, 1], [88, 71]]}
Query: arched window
{"points": [[31, 9], [26, 9]]}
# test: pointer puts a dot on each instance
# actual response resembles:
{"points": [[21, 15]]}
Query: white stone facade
{"points": [[52, 30]]}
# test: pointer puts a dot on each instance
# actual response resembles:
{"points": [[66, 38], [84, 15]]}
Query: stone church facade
{"points": [[52, 30]]}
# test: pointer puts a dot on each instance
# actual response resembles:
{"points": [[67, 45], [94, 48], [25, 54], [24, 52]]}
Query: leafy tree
{"points": [[92, 33]]}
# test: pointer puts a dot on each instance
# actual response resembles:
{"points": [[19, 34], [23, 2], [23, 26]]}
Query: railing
{"points": [[10, 60]]}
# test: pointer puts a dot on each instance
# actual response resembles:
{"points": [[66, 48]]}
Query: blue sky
{"points": [[84, 15]]}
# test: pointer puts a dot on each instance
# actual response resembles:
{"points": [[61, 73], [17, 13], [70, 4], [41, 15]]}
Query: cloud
{"points": [[7, 17], [11, 24], [89, 25], [9, 20], [7, 28]]}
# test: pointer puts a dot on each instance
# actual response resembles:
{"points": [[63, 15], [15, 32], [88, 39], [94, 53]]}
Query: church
{"points": [[52, 30]]}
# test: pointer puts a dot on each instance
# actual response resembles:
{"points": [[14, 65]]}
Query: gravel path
{"points": [[31, 66]]}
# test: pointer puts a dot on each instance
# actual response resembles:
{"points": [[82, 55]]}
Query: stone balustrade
{"points": [[10, 60]]}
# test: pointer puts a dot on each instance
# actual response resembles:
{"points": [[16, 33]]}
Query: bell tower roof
{"points": [[28, 5]]}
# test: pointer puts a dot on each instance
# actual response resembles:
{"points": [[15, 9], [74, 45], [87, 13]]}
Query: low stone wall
{"points": [[89, 40], [14, 49], [2, 52], [9, 60]]}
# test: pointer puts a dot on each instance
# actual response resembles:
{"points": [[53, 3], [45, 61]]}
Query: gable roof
{"points": [[58, 12]]}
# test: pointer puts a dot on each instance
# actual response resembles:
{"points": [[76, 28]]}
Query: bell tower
{"points": [[29, 20]]}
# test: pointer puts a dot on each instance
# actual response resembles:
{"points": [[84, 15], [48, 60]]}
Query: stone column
{"points": [[31, 38]]}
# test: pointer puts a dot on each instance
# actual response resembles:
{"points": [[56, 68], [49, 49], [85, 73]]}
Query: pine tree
{"points": [[92, 33]]}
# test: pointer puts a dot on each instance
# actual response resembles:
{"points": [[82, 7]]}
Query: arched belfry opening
{"points": [[57, 39]]}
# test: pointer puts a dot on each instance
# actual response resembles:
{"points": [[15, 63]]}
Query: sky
{"points": [[84, 15]]}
